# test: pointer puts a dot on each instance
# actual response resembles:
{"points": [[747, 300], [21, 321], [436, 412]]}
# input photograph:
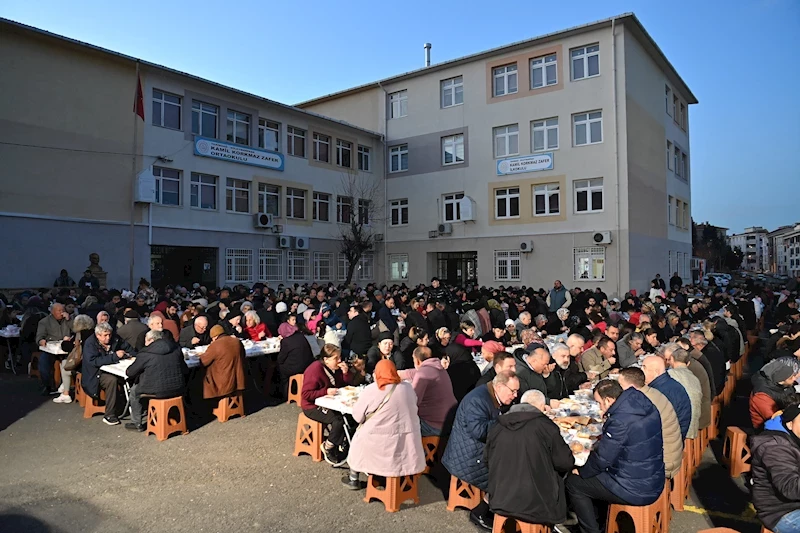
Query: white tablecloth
{"points": [[118, 369], [334, 404], [251, 349], [53, 348], [9, 332]]}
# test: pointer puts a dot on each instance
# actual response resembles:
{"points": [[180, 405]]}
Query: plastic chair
{"points": [[462, 494], [92, 406], [501, 523], [162, 420], [295, 387], [395, 491], [431, 446], [681, 483], [80, 396], [646, 519], [736, 452], [716, 416], [308, 438], [228, 407]]}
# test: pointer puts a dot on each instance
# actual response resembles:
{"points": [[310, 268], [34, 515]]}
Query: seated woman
{"points": [[295, 355], [388, 442], [416, 337], [322, 378], [255, 329], [465, 338]]}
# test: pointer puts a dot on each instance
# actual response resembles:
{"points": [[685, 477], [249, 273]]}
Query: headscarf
{"points": [[385, 373], [493, 304], [562, 313], [286, 330]]}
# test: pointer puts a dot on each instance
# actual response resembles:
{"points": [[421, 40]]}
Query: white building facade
{"points": [[754, 243]]}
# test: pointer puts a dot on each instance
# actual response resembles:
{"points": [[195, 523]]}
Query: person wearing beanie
{"points": [[769, 384], [224, 365], [385, 349], [775, 476], [232, 323], [133, 331]]}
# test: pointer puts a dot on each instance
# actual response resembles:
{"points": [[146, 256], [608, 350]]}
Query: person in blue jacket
{"points": [[655, 375], [626, 465]]}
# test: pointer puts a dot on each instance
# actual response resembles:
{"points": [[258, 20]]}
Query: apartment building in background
{"points": [[778, 257], [791, 247], [754, 245]]}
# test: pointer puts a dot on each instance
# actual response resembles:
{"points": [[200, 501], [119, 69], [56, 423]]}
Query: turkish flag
{"points": [[138, 102]]}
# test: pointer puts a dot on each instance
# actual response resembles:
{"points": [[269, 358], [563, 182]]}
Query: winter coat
{"points": [[497, 318], [224, 362], [389, 443], [95, 356], [563, 382], [527, 458], [188, 333], [388, 319], [486, 322], [530, 380], [415, 319], [685, 377], [254, 333], [625, 355], [717, 361], [678, 397], [463, 456], [316, 384], [359, 337], [705, 389], [133, 333], [557, 299], [463, 371], [776, 478], [670, 431], [49, 329], [169, 325], [436, 403], [407, 347], [629, 459], [593, 360], [436, 319], [295, 355], [160, 369], [764, 397]]}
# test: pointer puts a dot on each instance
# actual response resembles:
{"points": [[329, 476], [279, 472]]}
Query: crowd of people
{"points": [[479, 367]]}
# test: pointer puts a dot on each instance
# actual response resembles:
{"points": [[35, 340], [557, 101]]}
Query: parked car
{"points": [[720, 280]]}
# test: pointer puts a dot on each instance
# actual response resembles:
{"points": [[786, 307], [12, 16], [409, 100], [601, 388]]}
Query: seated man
{"points": [[770, 383], [626, 466], [525, 440], [436, 403], [655, 375], [501, 362], [224, 364], [100, 350], [159, 372], [56, 327], [565, 377], [133, 331], [600, 358], [533, 369], [195, 334], [156, 323], [677, 361]]}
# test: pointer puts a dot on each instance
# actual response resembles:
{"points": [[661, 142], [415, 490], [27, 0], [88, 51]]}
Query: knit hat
{"points": [[233, 313], [509, 322], [777, 372], [385, 336], [281, 307], [790, 413], [216, 331], [131, 314]]}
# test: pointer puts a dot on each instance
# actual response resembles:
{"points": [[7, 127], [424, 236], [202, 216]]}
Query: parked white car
{"points": [[720, 280]]}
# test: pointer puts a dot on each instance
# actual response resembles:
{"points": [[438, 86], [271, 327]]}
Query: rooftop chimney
{"points": [[427, 47]]}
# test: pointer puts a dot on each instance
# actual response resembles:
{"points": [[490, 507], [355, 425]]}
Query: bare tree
{"points": [[360, 217]]}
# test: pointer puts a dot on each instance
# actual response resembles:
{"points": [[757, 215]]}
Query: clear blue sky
{"points": [[739, 57]]}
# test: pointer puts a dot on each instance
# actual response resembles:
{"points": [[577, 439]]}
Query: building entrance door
{"points": [[457, 268]]}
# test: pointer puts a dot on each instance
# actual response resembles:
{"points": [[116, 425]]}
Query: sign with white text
{"points": [[527, 163], [237, 153]]}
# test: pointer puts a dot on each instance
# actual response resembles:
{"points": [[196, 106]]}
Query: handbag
{"points": [[75, 356]]}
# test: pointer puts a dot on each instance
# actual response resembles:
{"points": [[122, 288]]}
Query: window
{"points": [[321, 207], [683, 116], [203, 191], [687, 216], [166, 110], [670, 166], [505, 80], [544, 134], [398, 158], [297, 265], [546, 199], [295, 141], [168, 186], [453, 92], [237, 196], [399, 212], [398, 104], [269, 199], [366, 266], [323, 266], [676, 156], [668, 99], [344, 209], [585, 62], [589, 263], [588, 128], [453, 149], [270, 265], [506, 140], [269, 134], [295, 203], [238, 127], [507, 265], [452, 207], [685, 165], [544, 71], [204, 119], [680, 206], [363, 159], [344, 153], [363, 211], [675, 107], [672, 210], [238, 265], [589, 195], [321, 148], [398, 267], [342, 267], [506, 202]]}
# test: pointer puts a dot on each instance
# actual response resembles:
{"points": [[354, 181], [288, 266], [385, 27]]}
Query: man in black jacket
{"points": [[566, 377], [438, 292], [527, 461], [133, 331], [436, 318], [159, 371], [195, 334], [715, 359], [358, 338], [534, 368]]}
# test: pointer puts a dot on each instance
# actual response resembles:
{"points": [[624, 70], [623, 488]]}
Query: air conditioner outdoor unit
{"points": [[379, 237], [467, 205], [262, 220], [284, 241], [602, 237], [526, 247], [433, 234], [277, 228], [301, 243], [445, 229]]}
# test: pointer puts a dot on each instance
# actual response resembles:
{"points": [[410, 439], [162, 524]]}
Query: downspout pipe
{"points": [[616, 161]]}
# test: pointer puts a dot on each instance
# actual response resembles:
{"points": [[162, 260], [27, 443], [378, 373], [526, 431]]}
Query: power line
{"points": [[102, 152]]}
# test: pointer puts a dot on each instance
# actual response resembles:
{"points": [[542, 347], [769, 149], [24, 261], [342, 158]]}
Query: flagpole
{"points": [[133, 186]]}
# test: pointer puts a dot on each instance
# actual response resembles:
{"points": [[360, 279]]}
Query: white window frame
{"points": [[158, 174], [453, 145], [266, 191], [319, 198], [270, 264], [204, 113], [298, 265], [668, 99], [291, 196], [591, 186], [235, 118], [507, 194], [366, 270], [238, 265], [344, 147], [507, 265], [505, 73], [341, 267], [670, 160], [548, 128], [588, 256], [272, 129], [197, 183], [454, 88], [585, 121], [683, 116], [162, 99], [674, 107], [341, 203], [397, 153], [672, 210], [318, 140], [292, 135], [233, 187], [685, 165], [398, 104], [323, 272], [502, 136], [546, 191], [364, 159], [396, 210], [364, 211], [543, 64], [582, 55], [398, 259], [453, 199]]}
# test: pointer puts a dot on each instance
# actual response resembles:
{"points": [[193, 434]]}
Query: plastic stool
{"points": [[735, 452], [396, 491], [159, 421], [295, 387], [33, 369], [730, 389], [308, 438], [228, 407], [501, 522], [680, 484], [716, 416], [646, 519], [57, 374], [462, 494], [92, 406], [700, 444], [80, 396], [430, 445]]}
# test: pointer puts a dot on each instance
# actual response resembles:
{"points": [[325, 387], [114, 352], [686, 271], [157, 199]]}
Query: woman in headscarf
{"points": [[388, 442], [497, 317], [558, 323], [295, 354]]}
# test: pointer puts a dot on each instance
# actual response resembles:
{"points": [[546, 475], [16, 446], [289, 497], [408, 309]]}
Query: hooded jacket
{"points": [[161, 369], [776, 479], [625, 355], [528, 379], [358, 338], [564, 381], [527, 459], [765, 395], [678, 397], [670, 431]]}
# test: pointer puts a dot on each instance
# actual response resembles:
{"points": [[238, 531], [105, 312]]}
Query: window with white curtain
{"points": [[507, 265]]}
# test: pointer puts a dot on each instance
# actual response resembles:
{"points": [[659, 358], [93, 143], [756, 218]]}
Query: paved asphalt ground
{"points": [[61, 473]]}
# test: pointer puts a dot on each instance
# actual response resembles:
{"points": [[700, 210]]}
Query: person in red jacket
{"points": [[255, 329], [769, 384]]}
